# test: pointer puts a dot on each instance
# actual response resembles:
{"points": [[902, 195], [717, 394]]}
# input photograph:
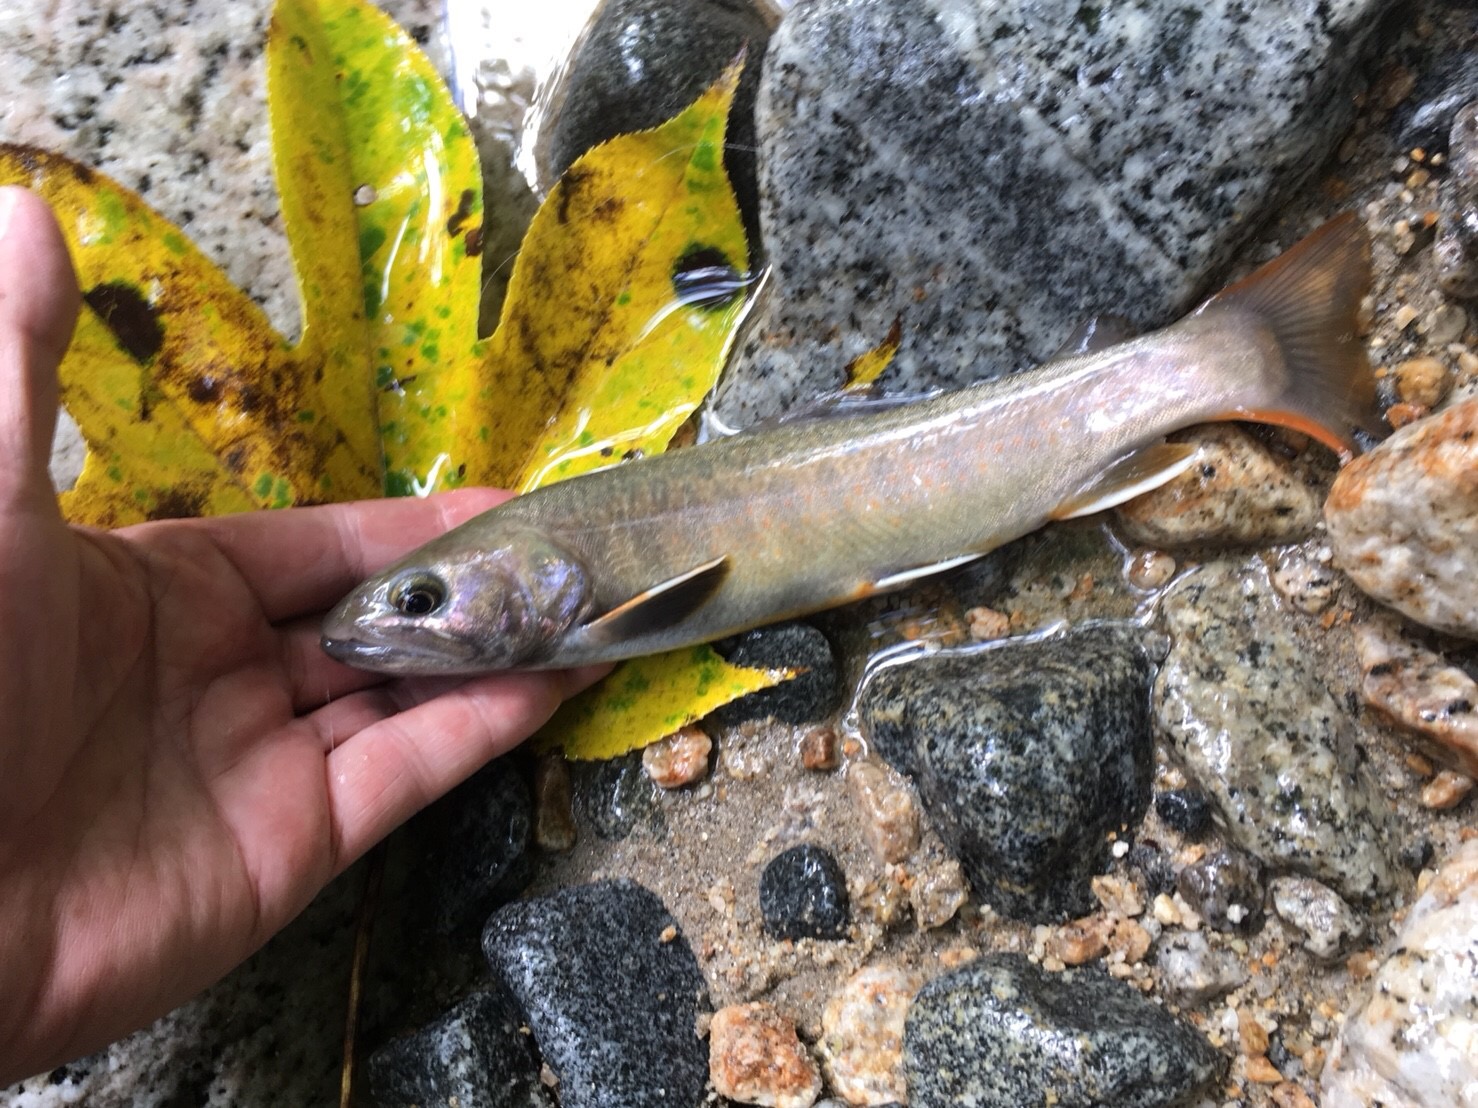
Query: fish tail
{"points": [[1309, 298]]}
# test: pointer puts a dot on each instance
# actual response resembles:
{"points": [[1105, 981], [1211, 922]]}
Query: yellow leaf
{"points": [[866, 368], [649, 698]]}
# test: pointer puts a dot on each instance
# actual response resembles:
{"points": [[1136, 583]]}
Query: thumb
{"points": [[38, 309]]}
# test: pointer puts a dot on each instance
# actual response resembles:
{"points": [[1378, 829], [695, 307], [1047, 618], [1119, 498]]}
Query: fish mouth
{"points": [[446, 657]]}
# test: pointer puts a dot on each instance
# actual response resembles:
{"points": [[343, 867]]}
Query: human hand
{"points": [[181, 767]]}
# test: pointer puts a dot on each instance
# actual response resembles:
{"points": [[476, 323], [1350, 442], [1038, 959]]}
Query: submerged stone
{"points": [[803, 895], [1025, 757]]}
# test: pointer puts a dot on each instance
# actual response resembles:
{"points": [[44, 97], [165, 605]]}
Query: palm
{"points": [[181, 768]]}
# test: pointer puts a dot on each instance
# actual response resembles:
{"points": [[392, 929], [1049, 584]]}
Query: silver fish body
{"points": [[702, 542]]}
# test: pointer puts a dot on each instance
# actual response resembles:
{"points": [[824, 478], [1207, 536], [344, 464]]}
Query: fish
{"points": [[703, 542]]}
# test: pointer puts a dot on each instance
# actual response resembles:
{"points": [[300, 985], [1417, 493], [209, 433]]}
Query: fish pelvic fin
{"points": [[1309, 299], [1131, 476], [660, 606]]}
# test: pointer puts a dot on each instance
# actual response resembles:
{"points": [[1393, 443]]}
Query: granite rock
{"points": [[861, 1042], [642, 61], [610, 992], [803, 895], [1456, 248], [814, 693], [1192, 972], [1002, 1032], [1327, 923], [1244, 703], [1025, 755], [755, 1057], [474, 1056], [1403, 520], [1184, 810], [615, 795], [1411, 1041], [945, 163]]}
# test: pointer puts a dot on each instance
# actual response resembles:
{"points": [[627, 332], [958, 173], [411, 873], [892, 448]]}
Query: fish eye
{"points": [[418, 595]]}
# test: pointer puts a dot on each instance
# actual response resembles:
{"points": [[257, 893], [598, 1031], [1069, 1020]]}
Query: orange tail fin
{"points": [[1309, 297]]}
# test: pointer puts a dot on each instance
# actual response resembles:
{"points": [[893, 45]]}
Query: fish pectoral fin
{"points": [[660, 606], [1129, 477], [904, 576]]}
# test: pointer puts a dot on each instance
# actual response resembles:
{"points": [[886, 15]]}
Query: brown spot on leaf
{"points": [[474, 241], [570, 184], [204, 388], [177, 503], [132, 319], [459, 217]]}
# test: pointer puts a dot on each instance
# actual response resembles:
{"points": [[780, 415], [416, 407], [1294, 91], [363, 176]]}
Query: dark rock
{"points": [[1226, 889], [615, 795], [473, 1056], [811, 695], [1185, 810], [1002, 1033], [612, 1001], [1154, 868], [643, 61], [991, 175], [1025, 757], [1449, 79], [803, 895]]}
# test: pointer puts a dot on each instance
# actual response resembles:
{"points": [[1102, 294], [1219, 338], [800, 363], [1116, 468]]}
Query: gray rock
{"points": [[1002, 1032], [614, 795], [1225, 889], [1326, 921], [992, 174], [612, 1002], [473, 1056], [1244, 702], [1194, 973], [803, 895], [1025, 756], [643, 61], [813, 694]]}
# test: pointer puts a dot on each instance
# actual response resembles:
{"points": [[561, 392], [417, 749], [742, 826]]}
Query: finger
{"points": [[302, 560], [394, 767], [38, 309], [315, 679]]}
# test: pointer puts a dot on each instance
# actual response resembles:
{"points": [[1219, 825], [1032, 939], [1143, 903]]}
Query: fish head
{"points": [[459, 606]]}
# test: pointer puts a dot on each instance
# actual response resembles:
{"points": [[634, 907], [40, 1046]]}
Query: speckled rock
{"points": [[1184, 810], [1420, 691], [643, 61], [474, 1056], [946, 163], [1025, 755], [1002, 1033], [813, 694], [1411, 1043], [803, 895], [1326, 921], [1225, 888], [1192, 972], [615, 795], [754, 1057], [861, 1043], [1456, 249], [609, 992], [1245, 705], [1403, 520], [1237, 492]]}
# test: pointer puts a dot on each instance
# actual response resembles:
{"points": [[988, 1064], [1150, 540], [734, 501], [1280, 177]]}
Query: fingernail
{"points": [[9, 197]]}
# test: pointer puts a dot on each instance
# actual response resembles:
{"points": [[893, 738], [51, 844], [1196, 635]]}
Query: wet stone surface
{"points": [[1244, 705], [609, 993], [813, 694], [1001, 1033], [803, 895], [1158, 132], [1024, 756]]}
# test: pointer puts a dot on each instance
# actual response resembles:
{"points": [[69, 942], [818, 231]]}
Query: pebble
{"points": [[1403, 520], [611, 1003], [1278, 758], [937, 890], [1446, 324], [1150, 569], [1446, 791], [813, 694], [803, 895], [680, 759], [1416, 689], [613, 796], [1456, 249], [861, 1043], [1410, 1039], [1422, 381], [1025, 757], [1225, 889], [989, 174], [1001, 1033], [1190, 969], [554, 814], [473, 1055], [821, 748], [1185, 810], [755, 1057], [987, 624], [1327, 923], [1307, 582], [1236, 493], [890, 818]]}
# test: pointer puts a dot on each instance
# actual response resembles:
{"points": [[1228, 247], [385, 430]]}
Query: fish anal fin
{"points": [[1294, 421], [915, 573], [660, 606], [1130, 476]]}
